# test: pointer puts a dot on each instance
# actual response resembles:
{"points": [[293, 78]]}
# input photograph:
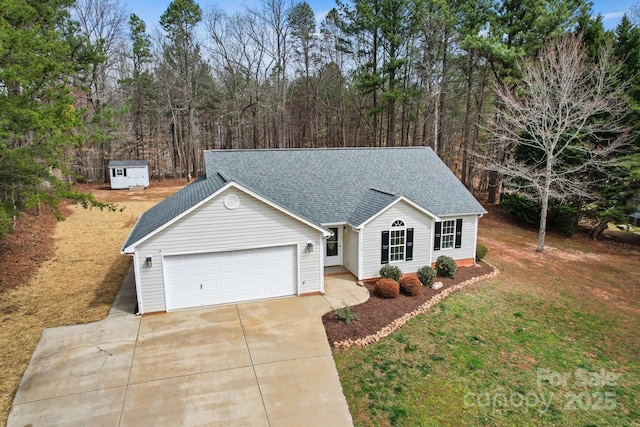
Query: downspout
{"points": [[136, 274], [321, 262], [431, 242], [475, 243], [360, 237]]}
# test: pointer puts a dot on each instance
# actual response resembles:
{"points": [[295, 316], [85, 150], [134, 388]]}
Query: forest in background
{"points": [[85, 82]]}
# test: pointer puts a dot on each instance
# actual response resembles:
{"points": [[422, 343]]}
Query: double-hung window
{"points": [[448, 234]]}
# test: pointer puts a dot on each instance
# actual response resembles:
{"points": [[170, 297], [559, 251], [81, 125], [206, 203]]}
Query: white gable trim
{"points": [[398, 200], [451, 216], [131, 248], [330, 225]]}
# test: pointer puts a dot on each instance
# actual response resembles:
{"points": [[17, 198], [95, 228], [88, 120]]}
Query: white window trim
{"points": [[452, 235], [398, 228]]}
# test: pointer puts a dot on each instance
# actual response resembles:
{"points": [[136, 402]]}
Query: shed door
{"points": [[229, 277], [137, 177]]}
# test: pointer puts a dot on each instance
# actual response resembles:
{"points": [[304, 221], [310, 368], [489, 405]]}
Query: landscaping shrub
{"points": [[387, 288], [481, 251], [426, 275], [346, 314], [410, 285], [446, 266], [389, 271]]}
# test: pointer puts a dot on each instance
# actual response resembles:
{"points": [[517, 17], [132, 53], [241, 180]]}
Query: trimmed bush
{"points": [[387, 288], [410, 285], [426, 275], [481, 251], [446, 266], [389, 271]]}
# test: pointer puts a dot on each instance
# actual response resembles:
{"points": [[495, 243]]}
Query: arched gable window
{"points": [[397, 243]]}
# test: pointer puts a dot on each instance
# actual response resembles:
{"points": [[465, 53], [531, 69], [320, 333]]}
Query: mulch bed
{"points": [[377, 313]]}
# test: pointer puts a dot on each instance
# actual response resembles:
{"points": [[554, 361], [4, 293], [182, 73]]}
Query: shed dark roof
{"points": [[324, 186], [127, 163]]}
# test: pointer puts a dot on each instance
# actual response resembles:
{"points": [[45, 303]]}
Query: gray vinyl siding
{"points": [[371, 239], [214, 228], [350, 250], [468, 248]]}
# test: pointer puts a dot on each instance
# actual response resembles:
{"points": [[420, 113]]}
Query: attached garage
{"points": [[197, 280], [222, 248]]}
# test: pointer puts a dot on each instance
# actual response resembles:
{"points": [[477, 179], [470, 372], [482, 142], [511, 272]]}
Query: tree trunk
{"points": [[542, 231], [467, 123], [443, 94], [596, 232], [492, 187], [391, 121]]}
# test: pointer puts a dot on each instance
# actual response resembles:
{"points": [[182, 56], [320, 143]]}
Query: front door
{"points": [[333, 248]]}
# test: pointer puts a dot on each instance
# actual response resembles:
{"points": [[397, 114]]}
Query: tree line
{"points": [[85, 82]]}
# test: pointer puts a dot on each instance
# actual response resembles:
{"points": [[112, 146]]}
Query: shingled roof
{"points": [[324, 186], [127, 163]]}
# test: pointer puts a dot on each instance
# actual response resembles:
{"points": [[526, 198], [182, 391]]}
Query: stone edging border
{"points": [[423, 308]]}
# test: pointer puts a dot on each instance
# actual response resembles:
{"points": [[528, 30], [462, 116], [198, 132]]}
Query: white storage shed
{"points": [[125, 174]]}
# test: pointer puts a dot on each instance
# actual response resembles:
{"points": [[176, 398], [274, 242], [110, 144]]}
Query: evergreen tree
{"points": [[619, 185], [380, 33], [182, 63], [140, 55], [303, 27], [39, 119]]}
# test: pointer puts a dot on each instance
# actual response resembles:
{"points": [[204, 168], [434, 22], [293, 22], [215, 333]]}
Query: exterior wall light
{"points": [[309, 246], [148, 262]]}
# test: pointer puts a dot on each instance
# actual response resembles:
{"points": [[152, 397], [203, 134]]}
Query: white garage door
{"points": [[227, 277]]}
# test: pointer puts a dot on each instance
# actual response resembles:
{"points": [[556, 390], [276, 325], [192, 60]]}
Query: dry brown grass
{"points": [[77, 286]]}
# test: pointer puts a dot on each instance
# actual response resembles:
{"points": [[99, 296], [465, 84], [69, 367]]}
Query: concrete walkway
{"points": [[264, 363]]}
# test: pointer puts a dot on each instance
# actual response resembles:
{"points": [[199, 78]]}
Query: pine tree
{"points": [[39, 120]]}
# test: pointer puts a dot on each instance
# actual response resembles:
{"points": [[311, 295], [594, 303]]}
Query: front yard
{"points": [[554, 340]]}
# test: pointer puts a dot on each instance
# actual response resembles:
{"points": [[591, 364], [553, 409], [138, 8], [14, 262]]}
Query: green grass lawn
{"points": [[554, 340]]}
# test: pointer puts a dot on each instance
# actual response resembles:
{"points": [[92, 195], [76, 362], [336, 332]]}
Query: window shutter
{"points": [[458, 233], [409, 250], [385, 247], [125, 171], [113, 172], [437, 237]]}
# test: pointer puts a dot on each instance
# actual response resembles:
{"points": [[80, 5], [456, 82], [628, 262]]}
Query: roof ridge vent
{"points": [[383, 192], [224, 176]]}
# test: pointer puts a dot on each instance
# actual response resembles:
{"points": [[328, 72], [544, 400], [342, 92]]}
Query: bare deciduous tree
{"points": [[102, 23], [559, 124]]}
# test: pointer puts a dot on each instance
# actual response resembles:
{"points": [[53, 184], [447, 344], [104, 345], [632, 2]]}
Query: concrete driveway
{"points": [[263, 363]]}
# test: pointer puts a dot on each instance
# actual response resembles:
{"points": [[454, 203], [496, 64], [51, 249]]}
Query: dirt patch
{"points": [[27, 249], [156, 190], [377, 313]]}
